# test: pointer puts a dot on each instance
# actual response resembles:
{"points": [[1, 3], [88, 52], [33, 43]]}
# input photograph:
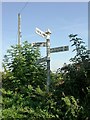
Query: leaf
{"points": [[78, 38], [72, 35], [74, 50]]}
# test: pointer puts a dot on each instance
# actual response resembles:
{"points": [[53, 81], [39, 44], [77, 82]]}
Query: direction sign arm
{"points": [[41, 33]]}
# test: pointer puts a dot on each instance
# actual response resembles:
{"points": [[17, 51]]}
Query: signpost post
{"points": [[48, 58], [49, 50]]}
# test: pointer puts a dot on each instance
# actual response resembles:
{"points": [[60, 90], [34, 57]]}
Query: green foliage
{"points": [[22, 80], [21, 69], [71, 107], [80, 48], [24, 86], [77, 77]]}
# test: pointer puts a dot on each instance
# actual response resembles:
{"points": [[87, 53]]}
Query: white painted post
{"points": [[48, 58]]}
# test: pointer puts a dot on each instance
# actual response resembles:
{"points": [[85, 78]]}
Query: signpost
{"points": [[41, 33], [49, 50], [39, 44], [59, 49], [44, 59], [88, 51]]}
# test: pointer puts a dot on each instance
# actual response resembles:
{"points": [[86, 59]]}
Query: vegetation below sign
{"points": [[24, 86]]}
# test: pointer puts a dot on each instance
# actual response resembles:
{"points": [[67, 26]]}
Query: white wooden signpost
{"points": [[44, 59], [41, 33], [39, 44], [88, 51], [59, 49], [49, 50]]}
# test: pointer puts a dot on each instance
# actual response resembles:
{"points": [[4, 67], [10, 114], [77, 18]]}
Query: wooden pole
{"points": [[48, 63], [19, 29]]}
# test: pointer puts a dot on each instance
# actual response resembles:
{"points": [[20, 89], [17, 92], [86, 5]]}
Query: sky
{"points": [[62, 18]]}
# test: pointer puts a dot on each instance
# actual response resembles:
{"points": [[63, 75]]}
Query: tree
{"points": [[24, 86], [22, 80], [77, 76]]}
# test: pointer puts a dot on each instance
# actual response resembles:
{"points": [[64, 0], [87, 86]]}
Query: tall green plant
{"points": [[23, 81], [21, 69], [80, 48]]}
